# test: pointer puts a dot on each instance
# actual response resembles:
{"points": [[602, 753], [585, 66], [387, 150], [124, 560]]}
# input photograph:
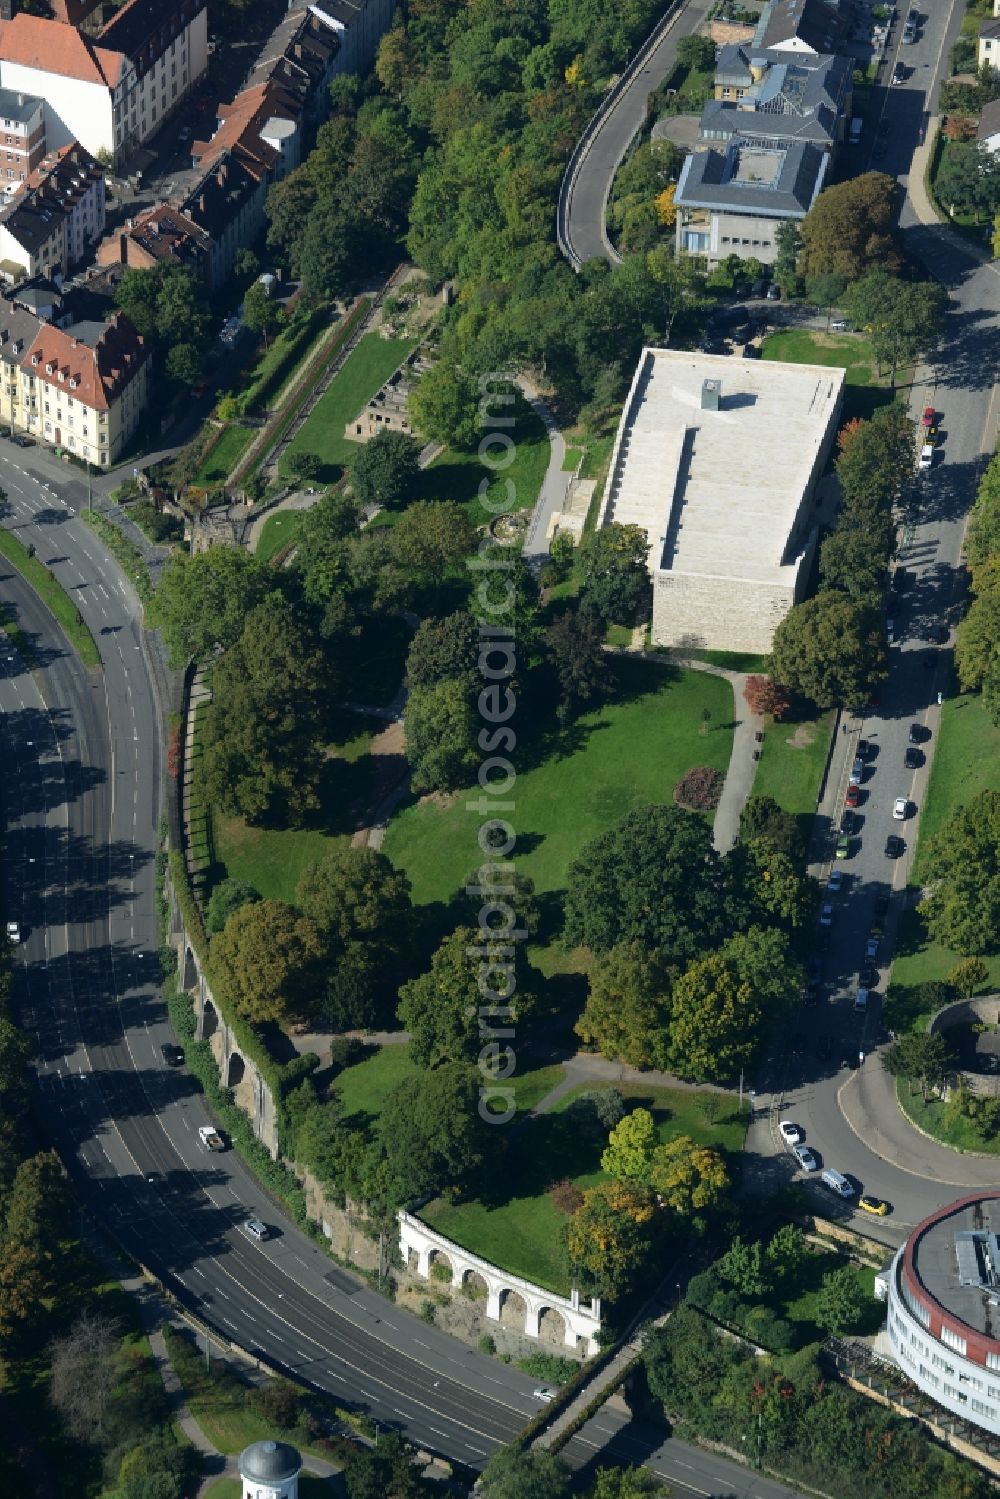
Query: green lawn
{"points": [[367, 368], [276, 532], [571, 458], [223, 458], [457, 476], [310, 1487], [364, 1086], [731, 660], [272, 859], [791, 763], [517, 1226], [53, 596], [931, 1115], [795, 1299], [966, 761], [850, 351], [627, 753]]}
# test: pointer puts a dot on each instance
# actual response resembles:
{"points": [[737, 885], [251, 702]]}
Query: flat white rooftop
{"points": [[718, 490]]}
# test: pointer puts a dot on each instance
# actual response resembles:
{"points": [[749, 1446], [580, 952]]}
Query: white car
{"points": [[789, 1132], [826, 914], [857, 773], [900, 807], [835, 881], [805, 1157], [926, 456], [13, 933], [543, 1394]]}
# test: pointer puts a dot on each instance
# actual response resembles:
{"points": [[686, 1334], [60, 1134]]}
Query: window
{"points": [[982, 1409], [952, 1340], [993, 1362], [48, 426]]}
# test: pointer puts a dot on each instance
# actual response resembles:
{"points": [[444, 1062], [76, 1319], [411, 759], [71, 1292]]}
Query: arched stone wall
{"points": [[505, 1293]]}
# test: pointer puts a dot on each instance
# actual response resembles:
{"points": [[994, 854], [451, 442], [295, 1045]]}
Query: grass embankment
{"points": [[791, 763], [53, 596], [128, 557], [457, 476], [865, 390], [632, 750], [365, 370], [518, 1227], [276, 532], [364, 1086], [937, 1118], [221, 459]]}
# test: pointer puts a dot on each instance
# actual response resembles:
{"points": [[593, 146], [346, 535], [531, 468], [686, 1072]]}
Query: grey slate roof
{"points": [[989, 120], [817, 23], [772, 180], [725, 120]]}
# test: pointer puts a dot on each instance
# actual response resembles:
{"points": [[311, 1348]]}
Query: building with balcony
{"points": [[717, 459], [943, 1322]]}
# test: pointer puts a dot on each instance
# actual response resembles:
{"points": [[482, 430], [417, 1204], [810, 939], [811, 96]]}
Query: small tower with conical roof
{"points": [[270, 1470]]}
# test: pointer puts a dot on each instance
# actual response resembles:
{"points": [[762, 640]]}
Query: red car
{"points": [[853, 796], [929, 417]]}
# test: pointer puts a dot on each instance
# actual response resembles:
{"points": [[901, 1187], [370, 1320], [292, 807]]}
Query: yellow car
{"points": [[873, 1205]]}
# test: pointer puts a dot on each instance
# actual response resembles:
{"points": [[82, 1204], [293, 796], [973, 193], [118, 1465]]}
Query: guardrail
{"points": [[594, 124]]}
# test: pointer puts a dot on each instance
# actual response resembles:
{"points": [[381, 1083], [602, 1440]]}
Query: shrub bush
{"points": [[700, 789]]}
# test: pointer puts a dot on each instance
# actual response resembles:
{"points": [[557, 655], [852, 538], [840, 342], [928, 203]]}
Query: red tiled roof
{"points": [[99, 372], [52, 47], [242, 122]]}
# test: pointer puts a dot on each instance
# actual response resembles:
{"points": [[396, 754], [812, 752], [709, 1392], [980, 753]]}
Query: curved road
{"points": [[82, 812]]}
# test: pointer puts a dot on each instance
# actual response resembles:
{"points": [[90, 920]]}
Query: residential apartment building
{"points": [[731, 201], [57, 216], [360, 25], [780, 97], [83, 388], [227, 205], [113, 91], [161, 234], [802, 26], [22, 138]]}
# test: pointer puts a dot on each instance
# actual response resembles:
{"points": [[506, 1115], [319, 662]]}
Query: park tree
{"points": [[696, 53], [842, 1303], [24, 1280], [440, 736], [852, 565], [786, 1251], [263, 741], [766, 697], [444, 405], [303, 465], [788, 244], [444, 649], [774, 888], [920, 1057], [84, 1370], [442, 1009], [744, 1268], [968, 976], [385, 469], [388, 1468], [983, 535], [627, 1012], [902, 318], [431, 1131], [261, 313], [875, 462], [228, 896], [687, 1178], [615, 575], [326, 253], [831, 650], [430, 538], [575, 646], [653, 878], [851, 228], [962, 874], [715, 1021], [610, 1236], [267, 958], [630, 1147], [763, 818], [977, 642], [202, 602], [356, 895], [968, 179], [525, 1473]]}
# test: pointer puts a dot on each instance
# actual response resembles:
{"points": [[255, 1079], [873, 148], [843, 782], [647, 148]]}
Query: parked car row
{"points": [[835, 1181]]}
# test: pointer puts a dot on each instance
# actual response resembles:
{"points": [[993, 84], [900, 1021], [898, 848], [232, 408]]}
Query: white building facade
{"points": [[943, 1293]]}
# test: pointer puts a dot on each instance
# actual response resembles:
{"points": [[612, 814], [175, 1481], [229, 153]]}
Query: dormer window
{"points": [[49, 369], [72, 385], [62, 376]]}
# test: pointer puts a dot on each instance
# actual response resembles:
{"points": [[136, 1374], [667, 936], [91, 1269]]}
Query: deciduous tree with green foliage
{"points": [[962, 874], [714, 1021], [902, 318], [261, 313], [202, 602], [629, 1151], [615, 575], [444, 405], [610, 1236], [842, 1303], [384, 470], [444, 649], [687, 1178], [743, 1267], [267, 958], [851, 228], [431, 1131], [228, 896], [654, 878], [831, 650], [525, 1473], [575, 646], [920, 1057], [440, 736], [627, 1011]]}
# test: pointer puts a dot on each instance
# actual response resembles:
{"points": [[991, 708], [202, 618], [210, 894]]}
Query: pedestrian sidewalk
{"points": [[552, 495]]}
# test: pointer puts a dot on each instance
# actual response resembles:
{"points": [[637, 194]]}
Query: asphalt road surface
{"points": [[82, 793], [587, 202]]}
